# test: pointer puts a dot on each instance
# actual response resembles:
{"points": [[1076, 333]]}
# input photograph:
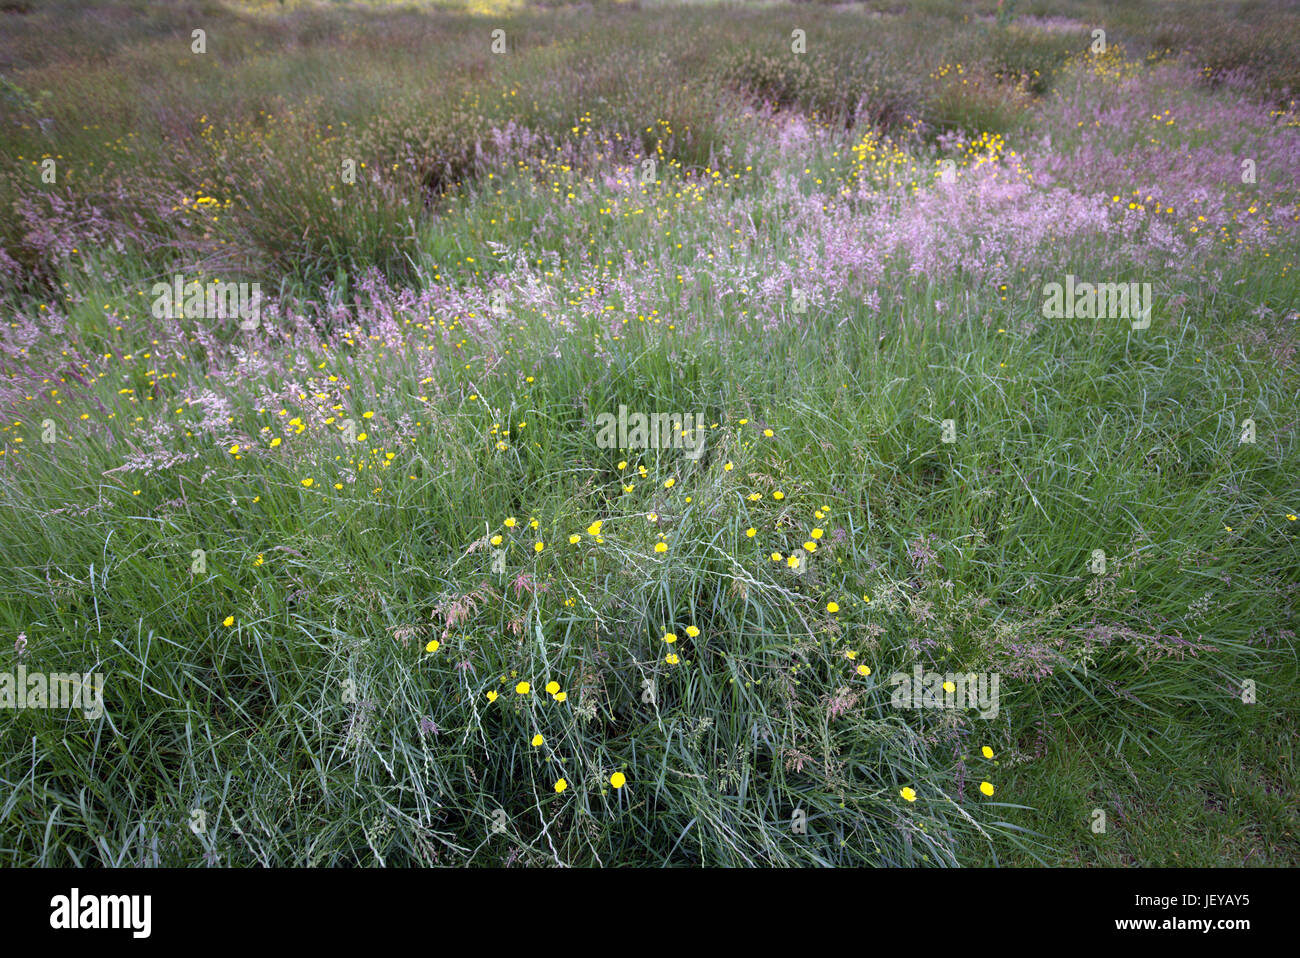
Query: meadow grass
{"points": [[314, 561]]}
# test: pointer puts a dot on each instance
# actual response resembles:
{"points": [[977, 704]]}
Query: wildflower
{"points": [[751, 532], [511, 522], [308, 482], [672, 658], [561, 785], [776, 557], [949, 687], [986, 752], [618, 780], [432, 646], [228, 621], [692, 631], [778, 495], [817, 533], [552, 687], [594, 528], [538, 740], [832, 607], [539, 546], [987, 789], [523, 688], [560, 696], [669, 483], [909, 794], [670, 637], [661, 547], [234, 449], [574, 539], [496, 540], [864, 670], [810, 546], [492, 695]]}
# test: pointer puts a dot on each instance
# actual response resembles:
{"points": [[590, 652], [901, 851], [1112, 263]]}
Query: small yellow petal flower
{"points": [[538, 740], [432, 646], [692, 631], [561, 696], [987, 752], [552, 687], [661, 547], [308, 482], [672, 658], [228, 621], [909, 794], [832, 607], [864, 670], [670, 637], [618, 780], [949, 687], [492, 695], [539, 546], [523, 688], [561, 785], [987, 789]]}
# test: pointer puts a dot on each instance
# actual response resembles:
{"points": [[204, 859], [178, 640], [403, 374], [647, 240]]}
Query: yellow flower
{"points": [[909, 794], [864, 670], [776, 557], [561, 785], [672, 658], [275, 442], [751, 532], [561, 696], [949, 687], [728, 467], [552, 687], [523, 688], [832, 607], [768, 433], [778, 495], [496, 540], [622, 466], [538, 740], [618, 780], [669, 483], [987, 752], [574, 539], [234, 449], [670, 637], [817, 533], [510, 522], [810, 546], [692, 631], [432, 646], [492, 695], [367, 415], [539, 546], [308, 482], [661, 547], [594, 528], [987, 789], [228, 621]]}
